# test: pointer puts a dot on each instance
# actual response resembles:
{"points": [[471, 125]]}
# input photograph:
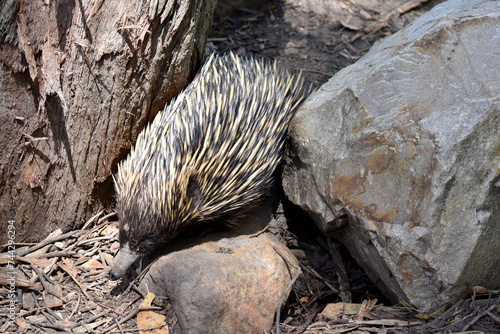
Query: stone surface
{"points": [[226, 283], [398, 156]]}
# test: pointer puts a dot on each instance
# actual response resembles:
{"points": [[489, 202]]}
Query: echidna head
{"points": [[140, 234]]}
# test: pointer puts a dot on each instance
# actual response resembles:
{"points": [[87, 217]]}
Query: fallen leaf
{"points": [[92, 264], [479, 290], [336, 310], [69, 267], [148, 319], [108, 230]]}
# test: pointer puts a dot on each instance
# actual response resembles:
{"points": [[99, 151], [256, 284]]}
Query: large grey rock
{"points": [[398, 156]]}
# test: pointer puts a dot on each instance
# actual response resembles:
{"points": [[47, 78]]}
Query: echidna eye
{"points": [[145, 246]]}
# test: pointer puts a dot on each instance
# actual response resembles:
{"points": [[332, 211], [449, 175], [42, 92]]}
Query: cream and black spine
{"points": [[208, 156]]}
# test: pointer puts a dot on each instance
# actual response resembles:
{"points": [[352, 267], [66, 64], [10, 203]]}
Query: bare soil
{"points": [[316, 36]]}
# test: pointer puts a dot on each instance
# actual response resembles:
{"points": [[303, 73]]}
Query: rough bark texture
{"points": [[79, 80]]}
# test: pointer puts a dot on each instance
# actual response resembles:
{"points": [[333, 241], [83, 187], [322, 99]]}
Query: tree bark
{"points": [[80, 79]]}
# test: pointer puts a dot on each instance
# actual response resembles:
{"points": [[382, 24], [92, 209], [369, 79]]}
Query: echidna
{"points": [[208, 155]]}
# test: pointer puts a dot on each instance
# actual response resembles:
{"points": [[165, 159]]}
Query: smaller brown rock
{"points": [[230, 285]]}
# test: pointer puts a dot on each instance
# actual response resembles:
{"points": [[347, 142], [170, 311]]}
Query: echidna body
{"points": [[208, 155]]}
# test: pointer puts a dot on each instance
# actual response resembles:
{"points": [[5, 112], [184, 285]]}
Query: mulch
{"points": [[61, 284]]}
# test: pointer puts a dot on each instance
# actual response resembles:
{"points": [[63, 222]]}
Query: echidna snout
{"points": [[123, 259], [208, 156]]}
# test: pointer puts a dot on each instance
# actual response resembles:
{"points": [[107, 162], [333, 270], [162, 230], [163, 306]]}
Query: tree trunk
{"points": [[79, 80]]}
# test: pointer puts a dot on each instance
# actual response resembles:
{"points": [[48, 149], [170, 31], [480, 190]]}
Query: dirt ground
{"points": [[333, 294], [318, 37]]}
